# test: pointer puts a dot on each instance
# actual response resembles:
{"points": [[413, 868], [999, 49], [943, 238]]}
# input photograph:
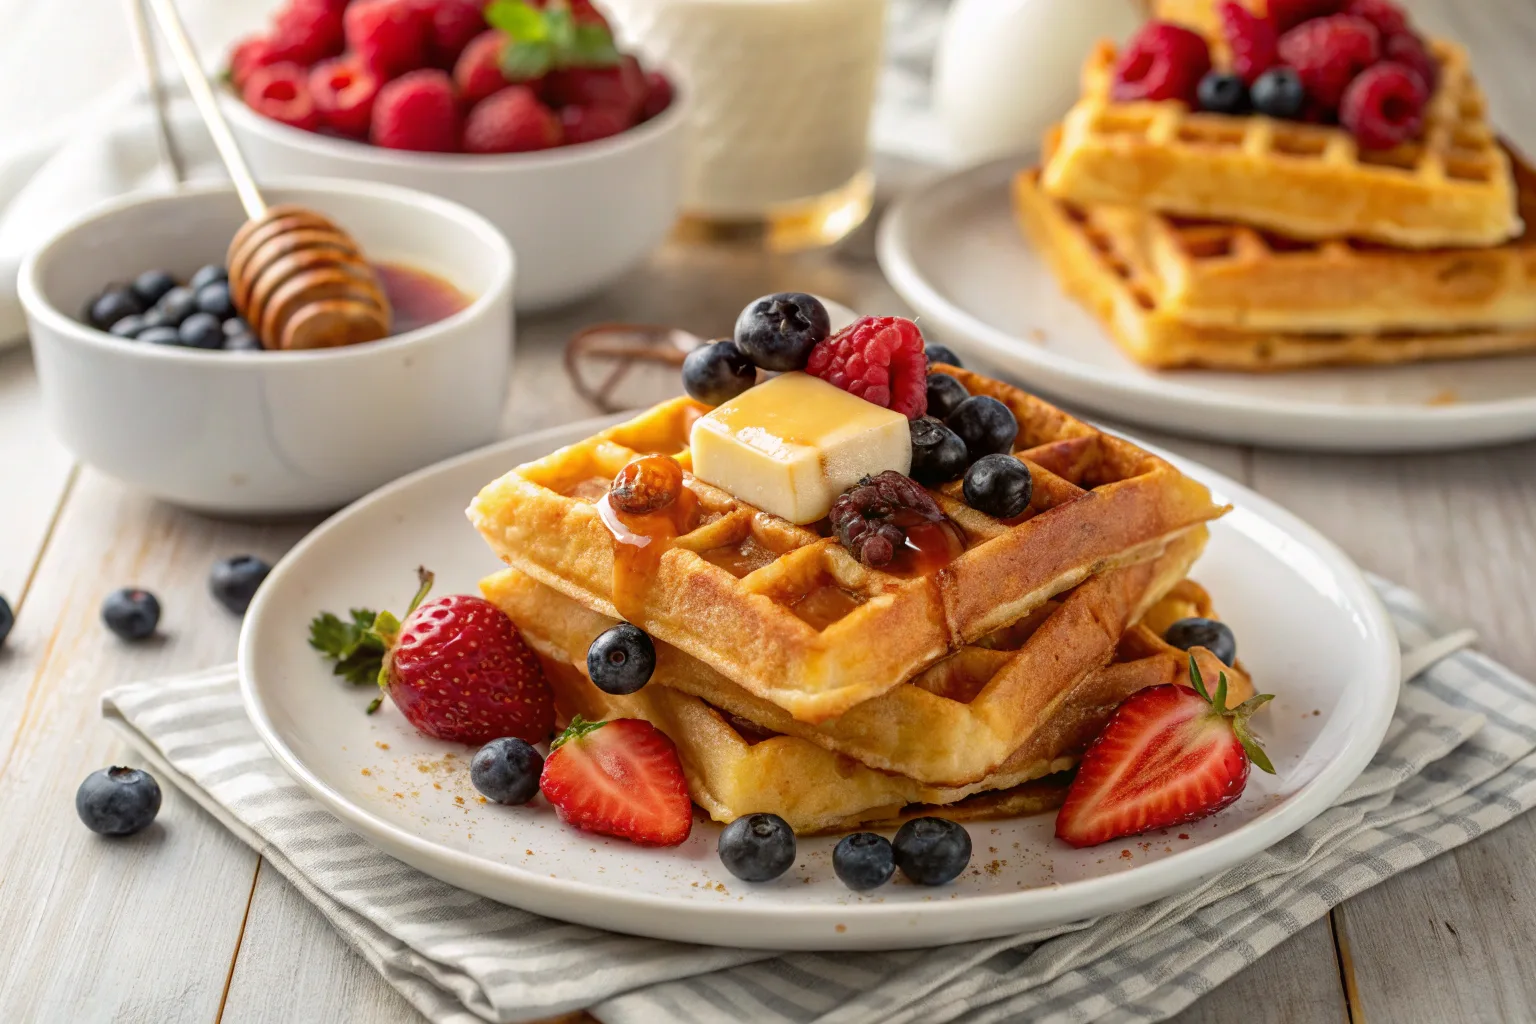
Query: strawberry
{"points": [[1170, 754], [619, 778], [456, 667]]}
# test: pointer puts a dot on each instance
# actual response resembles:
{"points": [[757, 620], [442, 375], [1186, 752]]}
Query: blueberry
{"points": [[932, 851], [984, 424], [243, 342], [999, 485], [507, 770], [938, 454], [214, 298], [7, 619], [1278, 92], [207, 275], [156, 318], [131, 613], [1221, 92], [201, 330], [718, 372], [160, 336], [777, 332], [757, 847], [118, 801], [111, 306], [941, 354], [151, 285], [863, 860], [234, 325], [176, 305], [128, 327], [944, 393], [234, 581], [621, 659], [1214, 636]]}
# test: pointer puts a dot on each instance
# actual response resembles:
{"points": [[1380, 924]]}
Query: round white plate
{"points": [[1308, 626], [953, 250]]}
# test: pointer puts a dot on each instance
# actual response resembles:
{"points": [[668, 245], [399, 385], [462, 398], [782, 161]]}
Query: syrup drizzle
{"points": [[639, 543], [929, 548]]}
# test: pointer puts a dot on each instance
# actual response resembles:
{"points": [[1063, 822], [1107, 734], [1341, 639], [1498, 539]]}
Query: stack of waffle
{"points": [[795, 680], [1248, 243]]}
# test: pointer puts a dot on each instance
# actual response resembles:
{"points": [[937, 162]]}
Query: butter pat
{"points": [[792, 444]]}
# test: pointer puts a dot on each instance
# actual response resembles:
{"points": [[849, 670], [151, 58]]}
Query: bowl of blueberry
{"points": [[149, 375]]}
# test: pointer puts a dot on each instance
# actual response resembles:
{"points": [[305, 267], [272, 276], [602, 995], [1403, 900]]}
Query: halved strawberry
{"points": [[619, 778], [1169, 755]]}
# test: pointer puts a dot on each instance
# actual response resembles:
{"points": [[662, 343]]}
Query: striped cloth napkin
{"points": [[1457, 761]]}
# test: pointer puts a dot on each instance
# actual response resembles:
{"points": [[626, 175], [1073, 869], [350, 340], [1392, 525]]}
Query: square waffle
{"points": [[1098, 258], [785, 611], [735, 767], [1453, 187]]}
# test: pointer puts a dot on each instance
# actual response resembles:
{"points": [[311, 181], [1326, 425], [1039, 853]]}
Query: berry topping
{"points": [[281, 92], [233, 581], [621, 88], [863, 861], [986, 425], [388, 36], [1388, 18], [451, 24], [511, 121], [1384, 106], [619, 778], [588, 124], [716, 373], [648, 484], [477, 73], [1328, 53], [417, 111], [1161, 62], [1251, 39], [944, 393], [938, 454], [658, 94], [757, 847], [201, 330], [932, 851], [7, 619], [1214, 636], [1287, 14], [506, 771], [1223, 93], [871, 518], [942, 354], [455, 667], [1409, 50], [778, 332], [118, 801], [344, 91], [306, 31], [999, 485], [111, 306], [621, 659], [1279, 93], [1169, 755], [131, 613], [151, 285], [878, 358]]}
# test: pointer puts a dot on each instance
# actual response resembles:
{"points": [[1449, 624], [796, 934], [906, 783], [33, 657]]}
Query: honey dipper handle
{"points": [[208, 106]]}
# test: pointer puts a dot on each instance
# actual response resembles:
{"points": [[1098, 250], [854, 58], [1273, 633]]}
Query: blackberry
{"points": [[870, 518]]}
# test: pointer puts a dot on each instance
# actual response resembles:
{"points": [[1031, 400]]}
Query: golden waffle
{"points": [[1451, 188], [787, 613], [1098, 259], [736, 767]]}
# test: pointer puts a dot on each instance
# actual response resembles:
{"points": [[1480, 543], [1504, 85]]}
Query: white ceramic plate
{"points": [[1308, 626], [953, 251]]}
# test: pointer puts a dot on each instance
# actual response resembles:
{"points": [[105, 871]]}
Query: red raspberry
{"points": [[478, 71], [511, 121], [281, 92], [1162, 62], [658, 95], [1328, 53], [306, 31], [588, 124], [1251, 39], [1384, 106], [452, 24], [344, 92], [389, 35], [249, 54], [416, 111], [1388, 18], [621, 87], [878, 358], [1287, 14], [1409, 50]]}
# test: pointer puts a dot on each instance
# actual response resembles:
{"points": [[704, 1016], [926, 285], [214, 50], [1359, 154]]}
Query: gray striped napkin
{"points": [[1457, 761]]}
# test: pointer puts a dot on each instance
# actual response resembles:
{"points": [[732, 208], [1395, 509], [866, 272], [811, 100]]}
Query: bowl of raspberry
{"points": [[526, 111]]}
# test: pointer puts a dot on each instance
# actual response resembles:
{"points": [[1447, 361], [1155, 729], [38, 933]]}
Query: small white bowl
{"points": [[266, 433], [578, 217]]}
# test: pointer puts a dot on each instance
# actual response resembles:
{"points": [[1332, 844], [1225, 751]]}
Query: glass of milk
{"points": [[782, 92]]}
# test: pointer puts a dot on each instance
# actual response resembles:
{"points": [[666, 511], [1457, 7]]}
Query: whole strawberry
{"points": [[620, 778], [455, 667]]}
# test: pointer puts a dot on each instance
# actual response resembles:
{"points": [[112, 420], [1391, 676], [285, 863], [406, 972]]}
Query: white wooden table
{"points": [[183, 923]]}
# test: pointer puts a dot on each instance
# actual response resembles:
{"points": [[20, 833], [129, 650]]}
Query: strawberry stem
{"points": [[578, 728], [1239, 715]]}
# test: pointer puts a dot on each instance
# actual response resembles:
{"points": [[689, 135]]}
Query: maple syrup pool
{"points": [[417, 298]]}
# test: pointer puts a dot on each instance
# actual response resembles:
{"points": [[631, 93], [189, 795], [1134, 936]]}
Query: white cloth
{"points": [[1458, 760]]}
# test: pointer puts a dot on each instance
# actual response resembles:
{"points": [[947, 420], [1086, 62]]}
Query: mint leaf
{"points": [[593, 47], [521, 21], [523, 62]]}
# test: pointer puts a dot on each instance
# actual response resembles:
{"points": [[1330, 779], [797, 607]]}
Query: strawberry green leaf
{"points": [[578, 728], [1196, 681], [522, 21], [1219, 700], [593, 47], [1251, 746]]}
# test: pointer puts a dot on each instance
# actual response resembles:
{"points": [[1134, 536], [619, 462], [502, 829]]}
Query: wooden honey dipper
{"points": [[298, 279]]}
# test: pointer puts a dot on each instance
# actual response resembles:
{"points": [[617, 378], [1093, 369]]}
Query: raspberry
{"points": [[478, 71], [1287, 14], [1409, 50], [452, 24], [511, 121], [1388, 18], [1328, 53], [344, 92], [1251, 39], [658, 95], [306, 31], [878, 358], [1384, 106], [588, 124], [621, 87], [1162, 62], [248, 55], [281, 92], [871, 517], [390, 36], [416, 111]]}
